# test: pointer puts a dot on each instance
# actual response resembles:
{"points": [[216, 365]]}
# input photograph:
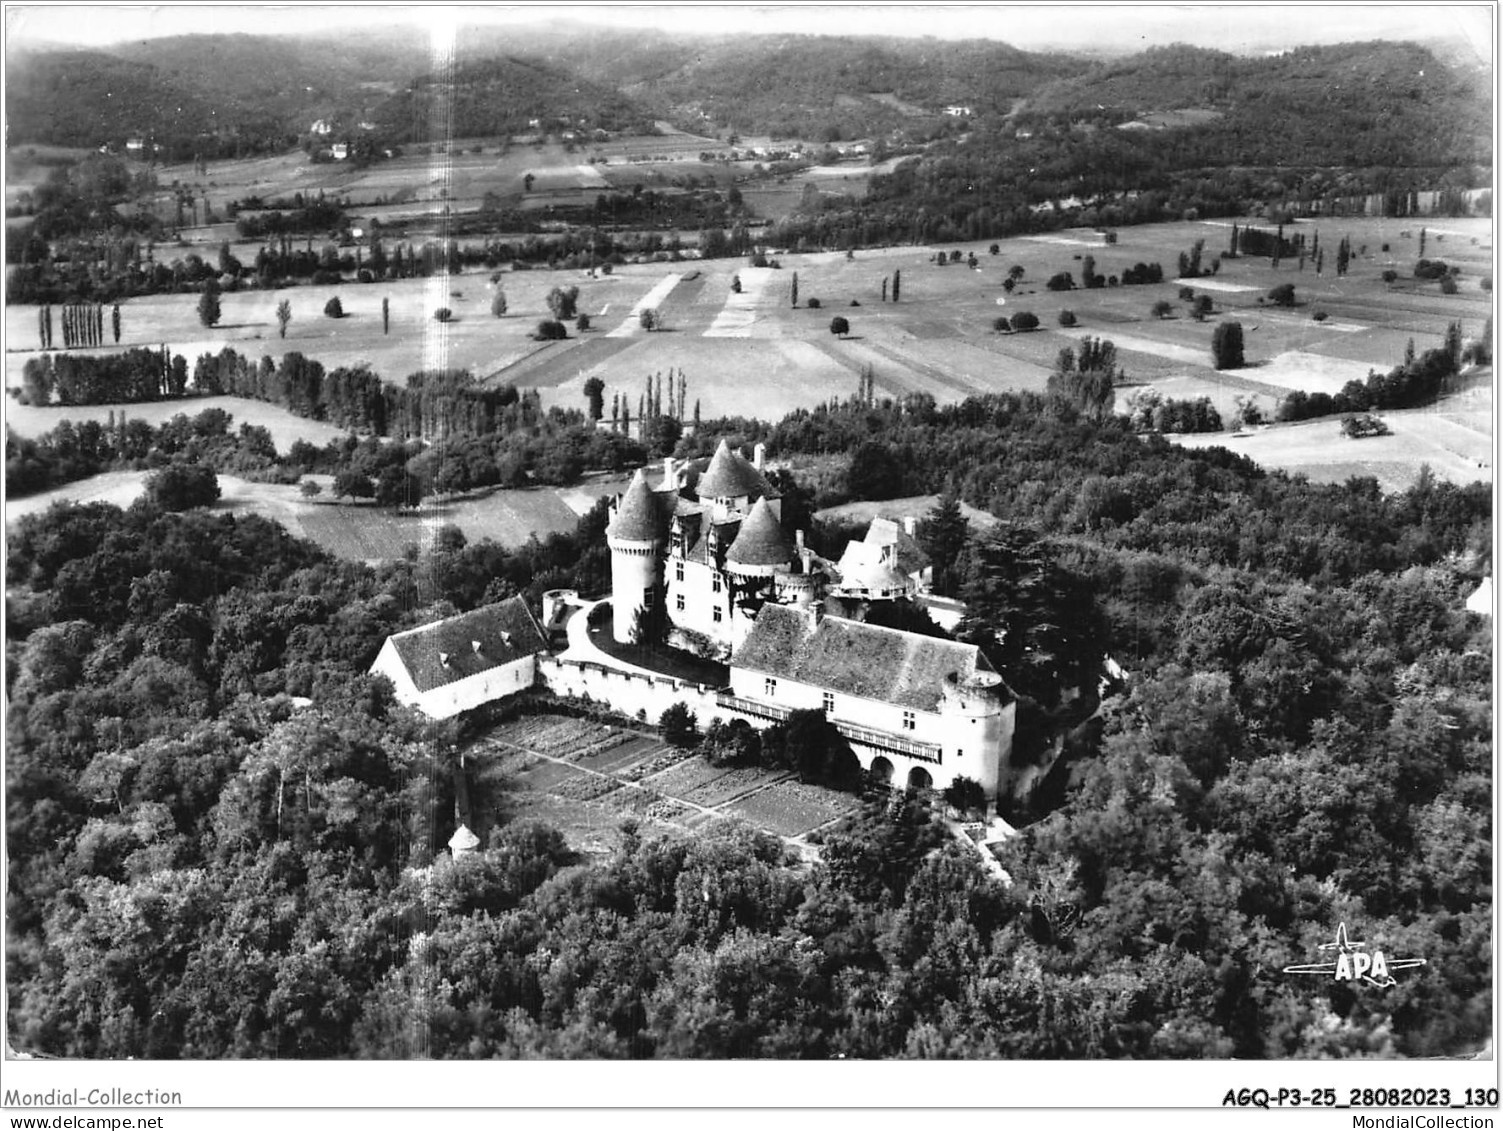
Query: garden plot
{"points": [[631, 749], [587, 787], [791, 808], [550, 777], [729, 786], [686, 777], [654, 764], [644, 803]]}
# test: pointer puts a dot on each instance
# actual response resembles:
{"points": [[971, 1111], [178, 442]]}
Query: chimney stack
{"points": [[910, 526], [668, 472], [759, 456]]}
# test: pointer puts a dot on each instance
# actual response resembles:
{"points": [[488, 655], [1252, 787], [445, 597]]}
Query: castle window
{"points": [[908, 720], [678, 571], [648, 598], [679, 602], [829, 702], [719, 615], [769, 687], [715, 583]]}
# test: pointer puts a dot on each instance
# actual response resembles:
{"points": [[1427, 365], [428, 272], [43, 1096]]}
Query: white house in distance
{"points": [[465, 661]]}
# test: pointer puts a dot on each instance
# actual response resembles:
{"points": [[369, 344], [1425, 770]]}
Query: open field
{"points": [[755, 354], [914, 506], [426, 179], [684, 792], [358, 532], [285, 427], [1455, 439]]}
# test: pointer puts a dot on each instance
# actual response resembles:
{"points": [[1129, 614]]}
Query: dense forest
{"points": [[1260, 148], [233, 95], [225, 840], [502, 96]]}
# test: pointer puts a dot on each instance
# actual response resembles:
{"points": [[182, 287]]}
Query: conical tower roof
{"points": [[636, 518], [761, 541], [463, 841], [730, 476]]}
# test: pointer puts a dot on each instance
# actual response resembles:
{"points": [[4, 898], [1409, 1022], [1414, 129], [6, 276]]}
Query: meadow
{"points": [[754, 353]]}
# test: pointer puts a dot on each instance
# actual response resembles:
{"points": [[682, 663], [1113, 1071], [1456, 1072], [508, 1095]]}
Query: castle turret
{"points": [[980, 725], [730, 484], [761, 547], [635, 536]]}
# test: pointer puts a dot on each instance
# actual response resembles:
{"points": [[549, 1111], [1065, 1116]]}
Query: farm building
{"points": [[465, 661]]}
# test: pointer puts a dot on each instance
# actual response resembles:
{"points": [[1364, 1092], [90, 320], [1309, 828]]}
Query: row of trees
{"points": [[1417, 381], [71, 451], [82, 325], [431, 405], [134, 375]]}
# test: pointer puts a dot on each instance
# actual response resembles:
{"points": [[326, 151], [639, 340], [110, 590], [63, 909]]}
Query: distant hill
{"points": [[240, 92], [259, 91], [808, 86], [496, 96], [229, 94], [86, 98], [1357, 103]]}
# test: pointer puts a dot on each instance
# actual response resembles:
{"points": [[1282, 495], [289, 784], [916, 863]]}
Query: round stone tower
{"points": [[977, 726], [635, 536]]}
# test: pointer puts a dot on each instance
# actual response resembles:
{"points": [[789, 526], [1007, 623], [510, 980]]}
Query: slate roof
{"points": [[886, 664], [761, 541], [731, 476], [910, 555], [638, 516], [697, 529], [505, 631], [862, 567]]}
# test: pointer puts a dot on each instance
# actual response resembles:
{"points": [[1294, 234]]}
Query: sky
{"points": [[1122, 27]]}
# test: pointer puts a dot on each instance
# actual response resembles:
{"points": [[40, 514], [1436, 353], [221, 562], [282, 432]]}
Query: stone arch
{"points": [[881, 771], [918, 778]]}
